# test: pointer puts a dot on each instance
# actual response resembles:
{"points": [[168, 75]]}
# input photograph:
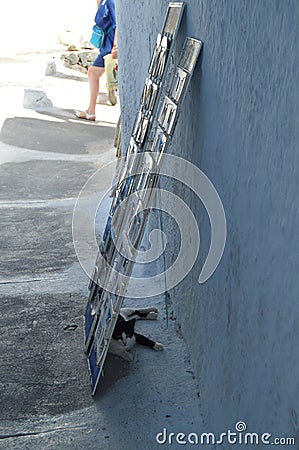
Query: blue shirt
{"points": [[106, 18]]}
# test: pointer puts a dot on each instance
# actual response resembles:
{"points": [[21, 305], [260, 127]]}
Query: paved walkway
{"points": [[46, 156]]}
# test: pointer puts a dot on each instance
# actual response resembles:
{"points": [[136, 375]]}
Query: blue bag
{"points": [[98, 36]]}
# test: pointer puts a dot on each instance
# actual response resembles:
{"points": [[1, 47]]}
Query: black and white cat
{"points": [[124, 336]]}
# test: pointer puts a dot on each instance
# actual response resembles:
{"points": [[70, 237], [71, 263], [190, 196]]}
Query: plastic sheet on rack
{"points": [[141, 127], [178, 84], [149, 96], [168, 115], [173, 17], [190, 52]]}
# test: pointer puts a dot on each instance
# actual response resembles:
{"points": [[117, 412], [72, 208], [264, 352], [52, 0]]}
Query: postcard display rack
{"points": [[152, 132]]}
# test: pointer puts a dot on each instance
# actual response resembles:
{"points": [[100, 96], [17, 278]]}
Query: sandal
{"points": [[84, 115]]}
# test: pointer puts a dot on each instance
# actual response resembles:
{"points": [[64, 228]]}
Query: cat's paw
{"points": [[127, 356], [158, 347], [148, 310], [152, 315]]}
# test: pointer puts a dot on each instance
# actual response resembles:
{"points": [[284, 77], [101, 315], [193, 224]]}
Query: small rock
{"points": [[86, 44], [51, 69], [36, 99], [70, 327], [72, 48], [70, 58], [83, 59]]}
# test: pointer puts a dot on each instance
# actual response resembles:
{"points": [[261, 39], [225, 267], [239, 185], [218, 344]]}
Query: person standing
{"points": [[105, 18]]}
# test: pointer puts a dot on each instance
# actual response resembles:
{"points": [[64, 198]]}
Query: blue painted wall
{"points": [[239, 124]]}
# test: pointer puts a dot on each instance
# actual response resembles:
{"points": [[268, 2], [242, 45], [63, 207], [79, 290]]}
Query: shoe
{"points": [[84, 115], [112, 97]]}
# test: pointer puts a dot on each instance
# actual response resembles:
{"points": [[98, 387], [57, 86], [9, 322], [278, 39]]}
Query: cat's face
{"points": [[123, 329], [124, 338], [126, 341]]}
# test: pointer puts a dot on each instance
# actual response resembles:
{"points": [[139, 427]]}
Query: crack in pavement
{"points": [[37, 433]]}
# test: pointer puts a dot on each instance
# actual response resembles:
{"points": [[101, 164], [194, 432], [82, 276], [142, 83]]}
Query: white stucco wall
{"points": [[239, 124]]}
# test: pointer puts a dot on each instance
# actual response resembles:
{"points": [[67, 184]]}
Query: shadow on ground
{"points": [[65, 136], [42, 361], [70, 77], [114, 369], [35, 242], [44, 368]]}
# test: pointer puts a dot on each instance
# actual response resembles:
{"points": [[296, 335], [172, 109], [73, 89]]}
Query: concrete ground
{"points": [[46, 157]]}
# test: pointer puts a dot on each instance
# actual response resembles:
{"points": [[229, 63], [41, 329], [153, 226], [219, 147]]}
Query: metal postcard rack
{"points": [[152, 132]]}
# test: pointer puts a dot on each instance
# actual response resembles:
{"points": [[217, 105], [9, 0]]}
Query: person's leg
{"points": [[94, 74]]}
